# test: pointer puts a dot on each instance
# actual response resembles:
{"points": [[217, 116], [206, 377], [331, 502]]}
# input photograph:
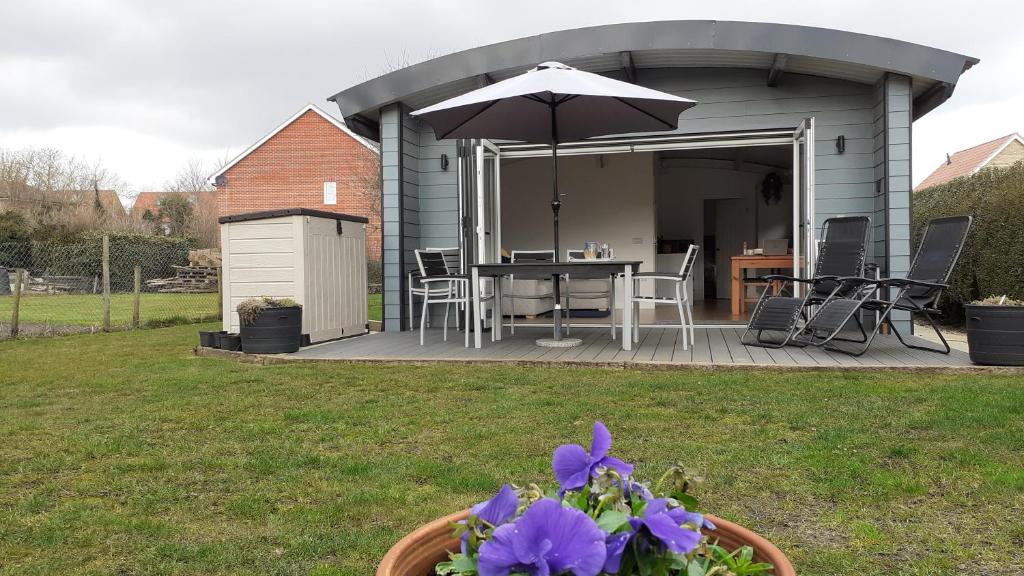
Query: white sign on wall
{"points": [[330, 192]]}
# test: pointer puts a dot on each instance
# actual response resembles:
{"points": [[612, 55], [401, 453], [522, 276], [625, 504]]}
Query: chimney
{"points": [[948, 159]]}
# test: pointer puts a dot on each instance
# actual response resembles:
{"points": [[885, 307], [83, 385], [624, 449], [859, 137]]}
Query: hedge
{"points": [[82, 255], [992, 262]]}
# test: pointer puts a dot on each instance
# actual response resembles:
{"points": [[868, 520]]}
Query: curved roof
{"points": [[667, 44]]}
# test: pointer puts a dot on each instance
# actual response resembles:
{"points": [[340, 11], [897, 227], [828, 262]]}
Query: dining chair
{"points": [[441, 287], [681, 299], [453, 264], [528, 256], [589, 291]]}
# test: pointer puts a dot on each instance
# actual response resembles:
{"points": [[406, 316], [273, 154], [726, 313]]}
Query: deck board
{"points": [[663, 344]]}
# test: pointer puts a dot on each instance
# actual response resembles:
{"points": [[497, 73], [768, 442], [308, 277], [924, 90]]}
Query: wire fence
{"points": [[103, 284]]}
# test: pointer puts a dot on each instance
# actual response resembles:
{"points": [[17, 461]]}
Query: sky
{"points": [[144, 87]]}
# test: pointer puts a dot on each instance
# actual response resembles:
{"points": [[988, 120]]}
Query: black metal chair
{"points": [[778, 312], [918, 293]]}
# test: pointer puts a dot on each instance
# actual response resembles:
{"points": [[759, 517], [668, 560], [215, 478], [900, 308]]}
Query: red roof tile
{"points": [[964, 162]]}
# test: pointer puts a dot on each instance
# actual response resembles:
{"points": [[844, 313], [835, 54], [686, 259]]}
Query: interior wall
{"points": [[605, 198], [682, 187]]}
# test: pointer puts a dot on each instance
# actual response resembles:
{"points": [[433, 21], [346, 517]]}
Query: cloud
{"points": [[147, 85]]}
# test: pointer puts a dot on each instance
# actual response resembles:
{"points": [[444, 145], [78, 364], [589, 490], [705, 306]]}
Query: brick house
{"points": [[150, 202], [1000, 152], [312, 160]]}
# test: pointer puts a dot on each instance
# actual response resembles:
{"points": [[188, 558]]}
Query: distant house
{"points": [[995, 153], [311, 160], [24, 198]]}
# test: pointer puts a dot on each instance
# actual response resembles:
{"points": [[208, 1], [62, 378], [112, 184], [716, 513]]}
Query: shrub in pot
{"points": [[598, 520], [270, 325], [995, 331]]}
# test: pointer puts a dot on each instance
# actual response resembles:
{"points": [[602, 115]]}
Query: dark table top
{"points": [[574, 268]]}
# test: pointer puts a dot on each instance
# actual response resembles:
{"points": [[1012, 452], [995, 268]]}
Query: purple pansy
{"points": [[682, 516], [665, 528], [547, 539], [499, 509], [634, 488], [615, 546], [496, 511], [573, 466]]}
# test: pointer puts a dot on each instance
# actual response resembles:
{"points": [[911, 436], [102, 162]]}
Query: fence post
{"points": [[137, 297], [220, 294], [106, 283], [18, 280]]}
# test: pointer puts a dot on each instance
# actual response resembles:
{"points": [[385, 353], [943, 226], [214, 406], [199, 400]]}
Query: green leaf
{"points": [[611, 520], [458, 565], [746, 554], [695, 569], [464, 564], [688, 502]]}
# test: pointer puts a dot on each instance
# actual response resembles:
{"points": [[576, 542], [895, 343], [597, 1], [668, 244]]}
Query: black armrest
{"points": [[772, 277], [857, 280], [909, 282]]}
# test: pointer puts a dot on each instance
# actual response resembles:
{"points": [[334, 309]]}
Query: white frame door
{"points": [[488, 202], [804, 238]]}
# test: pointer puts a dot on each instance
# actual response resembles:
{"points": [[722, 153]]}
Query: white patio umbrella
{"points": [[554, 103]]}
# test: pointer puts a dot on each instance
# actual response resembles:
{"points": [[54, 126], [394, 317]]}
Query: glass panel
{"points": [[804, 244]]}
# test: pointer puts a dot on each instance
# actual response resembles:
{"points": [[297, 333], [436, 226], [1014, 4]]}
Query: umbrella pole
{"points": [[556, 205]]}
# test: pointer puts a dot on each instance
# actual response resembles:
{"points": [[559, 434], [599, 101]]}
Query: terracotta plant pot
{"points": [[423, 548]]}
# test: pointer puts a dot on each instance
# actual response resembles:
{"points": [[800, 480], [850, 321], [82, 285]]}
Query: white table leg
{"points": [[477, 309], [497, 320], [627, 309]]}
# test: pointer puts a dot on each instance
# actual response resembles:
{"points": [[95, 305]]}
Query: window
{"points": [[330, 192]]}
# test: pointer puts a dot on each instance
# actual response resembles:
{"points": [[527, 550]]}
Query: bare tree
{"points": [[366, 183], [193, 177], [48, 186], [192, 182]]}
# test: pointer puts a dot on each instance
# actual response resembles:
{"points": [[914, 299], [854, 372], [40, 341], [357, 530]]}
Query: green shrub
{"points": [[82, 255], [992, 262], [374, 275], [15, 247]]}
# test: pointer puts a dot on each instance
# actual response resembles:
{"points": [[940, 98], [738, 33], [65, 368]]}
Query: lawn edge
{"points": [[653, 366]]}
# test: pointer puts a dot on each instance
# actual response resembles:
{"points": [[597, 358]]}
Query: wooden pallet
{"points": [[187, 279]]}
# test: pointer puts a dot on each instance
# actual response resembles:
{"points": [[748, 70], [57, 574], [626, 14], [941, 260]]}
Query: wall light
{"points": [[841, 144], [444, 162]]}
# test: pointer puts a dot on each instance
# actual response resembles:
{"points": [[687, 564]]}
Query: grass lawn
{"points": [[87, 309], [123, 454], [375, 306]]}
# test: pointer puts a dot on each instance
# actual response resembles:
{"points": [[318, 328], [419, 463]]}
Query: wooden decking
{"points": [[658, 346]]}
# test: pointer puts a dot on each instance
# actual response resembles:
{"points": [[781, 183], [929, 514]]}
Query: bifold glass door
{"points": [[488, 203], [479, 204], [805, 246]]}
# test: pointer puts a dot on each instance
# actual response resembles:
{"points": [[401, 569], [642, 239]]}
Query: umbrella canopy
{"points": [[587, 104], [555, 103]]}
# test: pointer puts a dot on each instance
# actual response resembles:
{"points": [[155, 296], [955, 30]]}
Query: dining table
{"points": [[597, 268]]}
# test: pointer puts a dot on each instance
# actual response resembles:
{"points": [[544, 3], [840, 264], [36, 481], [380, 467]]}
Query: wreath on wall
{"points": [[771, 188]]}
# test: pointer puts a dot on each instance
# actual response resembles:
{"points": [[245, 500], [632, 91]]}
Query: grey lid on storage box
{"points": [[265, 214]]}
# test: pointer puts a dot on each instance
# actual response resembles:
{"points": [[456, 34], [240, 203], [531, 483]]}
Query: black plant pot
{"points": [[995, 334], [208, 339], [275, 331], [232, 342], [217, 336]]}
